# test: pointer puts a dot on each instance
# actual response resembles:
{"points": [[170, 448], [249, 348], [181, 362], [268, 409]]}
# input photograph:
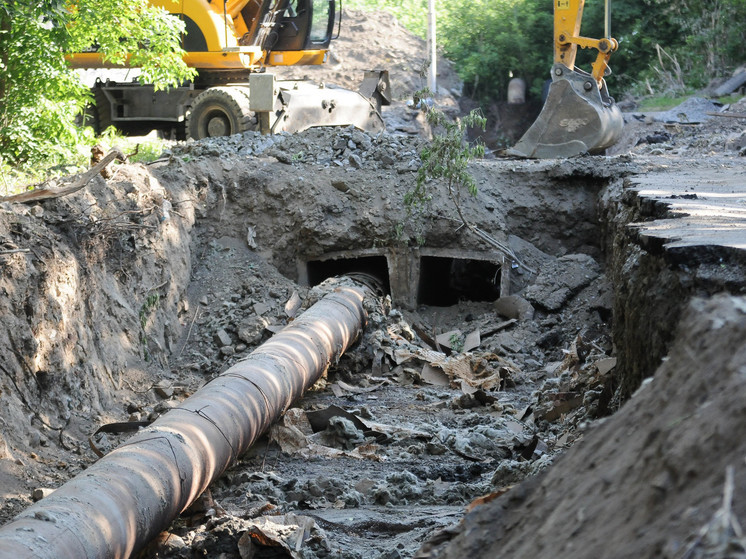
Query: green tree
{"points": [[711, 34], [447, 158], [491, 41], [40, 95]]}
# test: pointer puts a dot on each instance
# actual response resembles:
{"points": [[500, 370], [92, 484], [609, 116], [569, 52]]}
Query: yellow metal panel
{"points": [[89, 60], [247, 58], [235, 7], [171, 6], [240, 26], [568, 14], [212, 23], [243, 59], [174, 7], [209, 18]]}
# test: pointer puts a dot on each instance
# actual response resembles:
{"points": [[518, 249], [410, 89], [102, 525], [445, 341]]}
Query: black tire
{"points": [[219, 111]]}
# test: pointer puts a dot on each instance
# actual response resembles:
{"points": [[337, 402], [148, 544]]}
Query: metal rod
{"points": [[121, 502], [225, 21], [607, 19], [432, 42]]}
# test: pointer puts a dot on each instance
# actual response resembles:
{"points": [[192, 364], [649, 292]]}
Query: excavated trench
{"points": [[256, 224]]}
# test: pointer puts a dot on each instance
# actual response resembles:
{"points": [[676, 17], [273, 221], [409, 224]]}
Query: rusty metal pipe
{"points": [[121, 502]]}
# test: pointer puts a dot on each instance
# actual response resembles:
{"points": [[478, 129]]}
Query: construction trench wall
{"points": [[583, 205], [538, 209]]}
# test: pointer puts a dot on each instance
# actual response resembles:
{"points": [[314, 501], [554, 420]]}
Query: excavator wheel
{"points": [[219, 111]]}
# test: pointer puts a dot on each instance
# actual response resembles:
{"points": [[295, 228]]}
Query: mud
{"points": [[659, 466]]}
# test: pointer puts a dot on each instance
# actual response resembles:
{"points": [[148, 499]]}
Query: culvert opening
{"points": [[447, 281], [376, 266]]}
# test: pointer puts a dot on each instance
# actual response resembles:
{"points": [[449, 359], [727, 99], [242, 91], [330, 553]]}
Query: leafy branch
{"points": [[447, 158]]}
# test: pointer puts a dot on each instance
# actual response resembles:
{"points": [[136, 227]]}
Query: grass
{"points": [[664, 103], [148, 147], [730, 99]]}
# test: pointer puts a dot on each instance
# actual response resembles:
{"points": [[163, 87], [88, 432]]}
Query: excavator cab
{"points": [[290, 25], [578, 115]]}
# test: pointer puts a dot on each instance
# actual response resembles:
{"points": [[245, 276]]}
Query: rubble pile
{"points": [[347, 147], [697, 126]]}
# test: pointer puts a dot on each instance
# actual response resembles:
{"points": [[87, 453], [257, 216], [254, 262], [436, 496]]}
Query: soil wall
{"points": [[653, 283], [91, 286]]}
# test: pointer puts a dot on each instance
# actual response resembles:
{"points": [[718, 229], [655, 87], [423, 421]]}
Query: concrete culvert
{"points": [[446, 281], [374, 266]]}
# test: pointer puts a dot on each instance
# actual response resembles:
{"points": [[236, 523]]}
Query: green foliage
{"points": [[40, 96], [149, 36], [148, 308], [456, 342], [147, 151], [490, 41], [711, 39], [447, 157], [493, 41], [139, 150], [661, 102]]}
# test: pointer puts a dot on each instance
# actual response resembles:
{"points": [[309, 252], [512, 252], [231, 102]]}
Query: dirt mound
{"points": [[376, 40]]}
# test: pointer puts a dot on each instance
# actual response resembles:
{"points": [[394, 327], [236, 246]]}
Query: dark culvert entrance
{"points": [[447, 281], [376, 266]]}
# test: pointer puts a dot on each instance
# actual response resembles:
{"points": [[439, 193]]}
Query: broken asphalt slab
{"points": [[694, 208]]}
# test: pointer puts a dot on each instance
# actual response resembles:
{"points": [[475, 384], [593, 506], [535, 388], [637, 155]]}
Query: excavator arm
{"points": [[578, 115]]}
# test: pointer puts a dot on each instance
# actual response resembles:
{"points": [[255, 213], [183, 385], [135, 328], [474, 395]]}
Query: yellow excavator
{"points": [[578, 115], [231, 43]]}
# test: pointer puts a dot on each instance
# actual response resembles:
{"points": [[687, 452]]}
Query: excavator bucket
{"points": [[578, 117]]}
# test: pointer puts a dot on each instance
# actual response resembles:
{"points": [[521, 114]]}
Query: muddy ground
{"points": [[121, 300]]}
